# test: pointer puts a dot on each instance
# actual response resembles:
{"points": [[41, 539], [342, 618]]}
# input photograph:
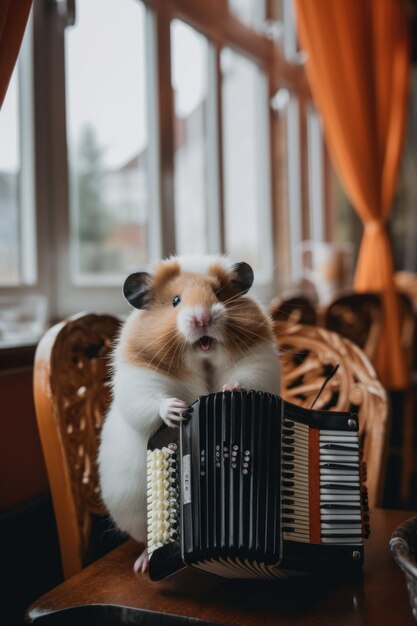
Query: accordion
{"points": [[251, 486]]}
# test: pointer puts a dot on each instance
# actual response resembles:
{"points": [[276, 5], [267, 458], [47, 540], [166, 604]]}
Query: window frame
{"points": [[223, 29]]}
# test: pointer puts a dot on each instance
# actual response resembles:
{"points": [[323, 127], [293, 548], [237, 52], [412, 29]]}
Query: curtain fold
{"points": [[13, 18], [358, 69]]}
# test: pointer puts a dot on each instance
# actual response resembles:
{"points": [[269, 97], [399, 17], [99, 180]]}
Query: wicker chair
{"points": [[308, 356], [357, 316], [296, 309]]}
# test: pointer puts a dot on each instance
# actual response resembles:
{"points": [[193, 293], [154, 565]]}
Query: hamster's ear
{"points": [[242, 277], [136, 289]]}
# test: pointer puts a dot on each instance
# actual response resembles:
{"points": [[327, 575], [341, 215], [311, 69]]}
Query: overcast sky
{"points": [[105, 80]]}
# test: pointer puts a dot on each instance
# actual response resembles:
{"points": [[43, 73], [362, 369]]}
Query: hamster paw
{"points": [[171, 410], [141, 563], [234, 387]]}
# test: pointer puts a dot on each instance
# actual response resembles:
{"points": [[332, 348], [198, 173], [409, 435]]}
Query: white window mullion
{"points": [[294, 186], [214, 212], [28, 243], [315, 175]]}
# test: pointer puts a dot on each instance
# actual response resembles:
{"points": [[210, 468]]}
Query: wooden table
{"points": [[378, 595]]}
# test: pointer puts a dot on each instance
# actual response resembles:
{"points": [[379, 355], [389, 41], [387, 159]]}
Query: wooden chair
{"points": [[358, 317], [71, 387], [308, 355], [294, 309], [71, 382]]}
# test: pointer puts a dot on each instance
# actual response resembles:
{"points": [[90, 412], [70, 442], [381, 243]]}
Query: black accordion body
{"points": [[252, 486]]}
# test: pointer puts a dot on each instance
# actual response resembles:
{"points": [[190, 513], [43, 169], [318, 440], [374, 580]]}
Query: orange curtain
{"points": [[13, 18], [358, 69]]}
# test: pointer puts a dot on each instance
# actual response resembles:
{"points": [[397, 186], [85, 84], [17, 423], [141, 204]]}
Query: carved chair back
{"points": [[71, 382], [358, 317], [308, 355], [297, 309], [71, 387]]}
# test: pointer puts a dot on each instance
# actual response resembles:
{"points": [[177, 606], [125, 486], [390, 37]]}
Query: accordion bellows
{"points": [[252, 486]]}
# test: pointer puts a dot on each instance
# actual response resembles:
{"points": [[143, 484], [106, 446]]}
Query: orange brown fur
{"points": [[151, 338], [165, 272]]}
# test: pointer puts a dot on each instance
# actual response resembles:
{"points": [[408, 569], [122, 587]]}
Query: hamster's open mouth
{"points": [[205, 343]]}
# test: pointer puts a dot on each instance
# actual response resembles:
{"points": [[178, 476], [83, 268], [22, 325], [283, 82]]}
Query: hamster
{"points": [[194, 332]]}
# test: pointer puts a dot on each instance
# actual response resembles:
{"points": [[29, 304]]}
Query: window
{"points": [[299, 145], [10, 271], [107, 137], [404, 216], [190, 71], [288, 155], [250, 12], [18, 264], [155, 134], [246, 160], [315, 175]]}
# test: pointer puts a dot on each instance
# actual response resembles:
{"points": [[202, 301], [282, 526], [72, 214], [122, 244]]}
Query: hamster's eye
{"points": [[176, 301]]}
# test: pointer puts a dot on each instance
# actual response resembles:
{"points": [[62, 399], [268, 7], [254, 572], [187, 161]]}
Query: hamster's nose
{"points": [[202, 318]]}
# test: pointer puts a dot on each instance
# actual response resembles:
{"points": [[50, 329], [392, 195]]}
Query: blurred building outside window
{"points": [[10, 271], [22, 307], [189, 75], [107, 137], [108, 174], [246, 161]]}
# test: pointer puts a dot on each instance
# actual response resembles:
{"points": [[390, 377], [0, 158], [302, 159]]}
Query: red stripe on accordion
{"points": [[314, 484]]}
